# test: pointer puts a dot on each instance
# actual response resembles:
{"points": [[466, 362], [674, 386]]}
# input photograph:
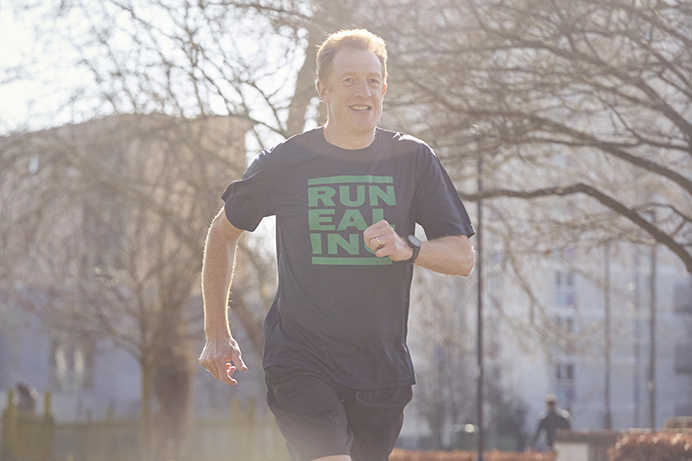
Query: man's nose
{"points": [[362, 88]]}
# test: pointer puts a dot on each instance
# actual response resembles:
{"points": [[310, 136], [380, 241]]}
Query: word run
{"points": [[338, 239]]}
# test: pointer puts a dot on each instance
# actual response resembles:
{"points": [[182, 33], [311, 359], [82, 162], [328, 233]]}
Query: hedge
{"points": [[660, 446], [459, 455]]}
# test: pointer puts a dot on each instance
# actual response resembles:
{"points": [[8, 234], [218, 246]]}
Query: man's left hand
{"points": [[384, 241]]}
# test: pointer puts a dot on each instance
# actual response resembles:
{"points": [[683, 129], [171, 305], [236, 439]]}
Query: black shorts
{"points": [[321, 418]]}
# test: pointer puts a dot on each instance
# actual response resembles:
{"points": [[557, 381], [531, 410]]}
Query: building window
{"points": [[72, 363], [683, 410], [683, 358], [683, 298], [565, 294], [33, 164], [565, 372], [565, 324], [494, 284], [564, 279], [565, 382]]}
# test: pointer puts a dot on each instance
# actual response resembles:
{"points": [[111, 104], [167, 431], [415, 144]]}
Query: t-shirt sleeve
{"points": [[437, 206], [248, 200]]}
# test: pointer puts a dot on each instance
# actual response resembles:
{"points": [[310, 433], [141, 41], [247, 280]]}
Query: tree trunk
{"points": [[147, 373], [305, 89]]}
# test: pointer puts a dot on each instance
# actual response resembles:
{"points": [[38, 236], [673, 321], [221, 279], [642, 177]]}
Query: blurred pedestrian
{"points": [[552, 420], [26, 399]]}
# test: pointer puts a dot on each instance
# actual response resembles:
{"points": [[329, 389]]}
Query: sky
{"points": [[35, 78], [38, 76], [38, 98], [17, 48], [13, 44]]}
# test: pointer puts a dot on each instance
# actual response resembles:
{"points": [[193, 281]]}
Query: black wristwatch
{"points": [[415, 244]]}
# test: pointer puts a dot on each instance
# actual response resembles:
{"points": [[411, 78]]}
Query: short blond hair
{"points": [[359, 39]]}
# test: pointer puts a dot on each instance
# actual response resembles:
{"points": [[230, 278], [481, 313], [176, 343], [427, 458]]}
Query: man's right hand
{"points": [[221, 354], [222, 357]]}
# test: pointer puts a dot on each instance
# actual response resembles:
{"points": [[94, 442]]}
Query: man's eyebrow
{"points": [[350, 72]]}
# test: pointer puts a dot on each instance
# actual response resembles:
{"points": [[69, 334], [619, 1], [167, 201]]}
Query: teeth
{"points": [[360, 107]]}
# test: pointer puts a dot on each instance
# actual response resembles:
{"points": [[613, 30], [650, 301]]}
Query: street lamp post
{"points": [[608, 420], [479, 272], [652, 333]]}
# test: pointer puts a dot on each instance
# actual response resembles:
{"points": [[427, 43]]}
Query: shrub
{"points": [[660, 446], [458, 455]]}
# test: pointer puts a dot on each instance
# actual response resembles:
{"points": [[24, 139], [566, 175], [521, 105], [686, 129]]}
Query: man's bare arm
{"points": [[452, 255], [217, 273]]}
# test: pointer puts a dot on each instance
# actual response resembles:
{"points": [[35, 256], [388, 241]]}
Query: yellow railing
{"points": [[247, 435], [26, 436]]}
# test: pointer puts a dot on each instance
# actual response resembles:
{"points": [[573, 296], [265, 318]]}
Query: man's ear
{"points": [[322, 91]]}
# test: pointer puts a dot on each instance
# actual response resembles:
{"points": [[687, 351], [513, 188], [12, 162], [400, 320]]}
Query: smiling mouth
{"points": [[361, 108]]}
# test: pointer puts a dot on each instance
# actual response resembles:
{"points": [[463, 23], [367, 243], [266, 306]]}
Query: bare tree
{"points": [[251, 61], [442, 348], [118, 238], [586, 98], [580, 109]]}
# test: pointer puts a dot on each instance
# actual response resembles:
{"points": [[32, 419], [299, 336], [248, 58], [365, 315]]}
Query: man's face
{"points": [[353, 92]]}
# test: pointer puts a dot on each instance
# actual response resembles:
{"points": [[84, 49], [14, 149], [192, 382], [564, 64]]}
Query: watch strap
{"points": [[415, 245]]}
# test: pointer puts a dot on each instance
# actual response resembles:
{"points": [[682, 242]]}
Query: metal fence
{"points": [[245, 436], [25, 436]]}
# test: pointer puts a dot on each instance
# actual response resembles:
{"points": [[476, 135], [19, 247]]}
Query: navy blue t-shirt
{"points": [[339, 309]]}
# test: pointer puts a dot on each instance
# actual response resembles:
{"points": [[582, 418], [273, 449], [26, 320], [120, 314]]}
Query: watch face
{"points": [[413, 241]]}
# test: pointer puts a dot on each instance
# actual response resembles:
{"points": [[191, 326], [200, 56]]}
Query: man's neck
{"points": [[347, 142]]}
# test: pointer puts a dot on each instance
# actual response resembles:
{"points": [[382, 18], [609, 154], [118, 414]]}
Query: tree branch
{"points": [[580, 188]]}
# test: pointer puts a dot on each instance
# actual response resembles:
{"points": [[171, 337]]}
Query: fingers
{"points": [[376, 243], [377, 229], [228, 377], [222, 361], [383, 240], [378, 236], [231, 367], [238, 361], [219, 369]]}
